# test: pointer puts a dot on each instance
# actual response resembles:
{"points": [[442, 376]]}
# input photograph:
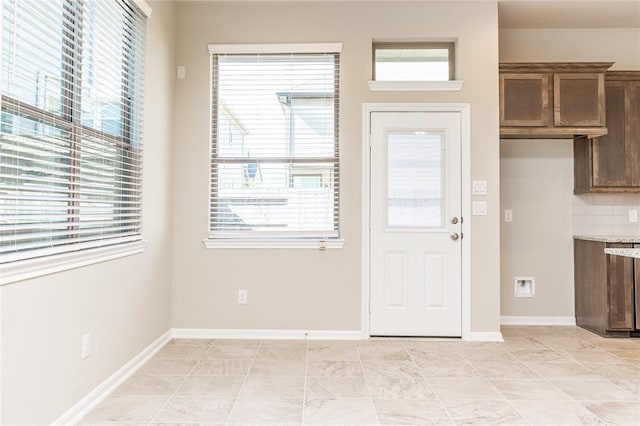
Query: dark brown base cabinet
{"points": [[606, 289]]}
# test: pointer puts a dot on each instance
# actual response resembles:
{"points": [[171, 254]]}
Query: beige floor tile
{"points": [[347, 352], [616, 413], [278, 368], [382, 387], [429, 345], [487, 355], [614, 371], [632, 386], [539, 355], [591, 355], [384, 354], [410, 412], [334, 368], [556, 413], [488, 412], [448, 368], [252, 343], [594, 390], [124, 409], [464, 389], [336, 387], [503, 369], [144, 385], [272, 387], [181, 352], [628, 355], [531, 389], [287, 353], [211, 386], [168, 367], [562, 371], [522, 343], [275, 411], [284, 344], [562, 343], [340, 411], [222, 367], [390, 368], [195, 410], [231, 351], [423, 356], [191, 342], [618, 344]]}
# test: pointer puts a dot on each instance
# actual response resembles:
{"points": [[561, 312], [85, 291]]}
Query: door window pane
{"points": [[415, 179]]}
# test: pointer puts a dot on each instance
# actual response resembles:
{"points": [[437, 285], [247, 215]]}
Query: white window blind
{"points": [[274, 147], [70, 137]]}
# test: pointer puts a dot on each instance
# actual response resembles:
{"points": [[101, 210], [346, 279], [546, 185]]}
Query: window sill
{"points": [[32, 268], [262, 243], [416, 86]]}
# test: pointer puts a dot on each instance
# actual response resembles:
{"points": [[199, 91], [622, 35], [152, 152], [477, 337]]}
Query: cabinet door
{"points": [[524, 100], [636, 282], [632, 126], [578, 99], [620, 281], [612, 161]]}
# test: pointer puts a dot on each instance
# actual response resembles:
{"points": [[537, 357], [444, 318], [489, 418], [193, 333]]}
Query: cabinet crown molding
{"points": [[551, 67]]}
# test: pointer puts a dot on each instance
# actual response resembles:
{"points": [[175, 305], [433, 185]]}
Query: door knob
{"points": [[454, 220], [454, 236]]}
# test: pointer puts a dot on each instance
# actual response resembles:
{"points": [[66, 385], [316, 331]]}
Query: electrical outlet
{"points": [[508, 215], [243, 297], [633, 216], [86, 346]]}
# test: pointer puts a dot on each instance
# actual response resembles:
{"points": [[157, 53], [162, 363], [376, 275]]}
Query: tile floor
{"points": [[539, 376]]}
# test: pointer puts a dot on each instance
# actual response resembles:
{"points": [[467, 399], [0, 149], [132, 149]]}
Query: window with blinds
{"points": [[70, 136], [274, 145]]}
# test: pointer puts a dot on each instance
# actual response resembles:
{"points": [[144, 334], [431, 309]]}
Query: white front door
{"points": [[415, 224]]}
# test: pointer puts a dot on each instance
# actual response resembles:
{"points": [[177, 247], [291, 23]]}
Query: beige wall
{"points": [[124, 304], [619, 45], [536, 182], [541, 244], [308, 289]]}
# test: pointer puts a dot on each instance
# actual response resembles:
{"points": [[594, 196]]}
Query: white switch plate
{"points": [[182, 72], [633, 216], [508, 215], [479, 187], [86, 346], [479, 208], [243, 296]]}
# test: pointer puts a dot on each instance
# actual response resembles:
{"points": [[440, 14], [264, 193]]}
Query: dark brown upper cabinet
{"points": [[611, 163], [552, 99]]}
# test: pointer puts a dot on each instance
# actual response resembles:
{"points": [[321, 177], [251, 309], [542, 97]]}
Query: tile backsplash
{"points": [[605, 214]]}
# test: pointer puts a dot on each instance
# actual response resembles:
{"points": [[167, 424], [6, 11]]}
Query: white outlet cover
{"points": [[524, 287], [633, 216], [479, 187], [181, 72], [86, 346], [479, 208], [242, 297], [508, 215]]}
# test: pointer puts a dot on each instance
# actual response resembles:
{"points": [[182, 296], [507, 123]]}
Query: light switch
{"points": [[479, 187], [479, 208]]}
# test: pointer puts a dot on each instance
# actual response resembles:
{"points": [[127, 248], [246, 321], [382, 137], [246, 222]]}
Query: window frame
{"points": [[73, 253], [266, 239]]}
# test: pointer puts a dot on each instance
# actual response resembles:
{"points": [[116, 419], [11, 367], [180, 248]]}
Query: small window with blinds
{"points": [[274, 145], [70, 135]]}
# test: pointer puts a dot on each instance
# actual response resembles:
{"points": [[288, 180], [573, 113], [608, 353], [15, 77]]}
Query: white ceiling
{"points": [[538, 13], [569, 13]]}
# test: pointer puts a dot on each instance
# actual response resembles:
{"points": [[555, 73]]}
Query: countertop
{"points": [[626, 252], [608, 239]]}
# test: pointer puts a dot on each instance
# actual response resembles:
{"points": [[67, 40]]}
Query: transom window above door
{"points": [[413, 61]]}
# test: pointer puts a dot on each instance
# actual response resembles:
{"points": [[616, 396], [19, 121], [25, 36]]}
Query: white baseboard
{"points": [[517, 320], [486, 336], [93, 398], [214, 333]]}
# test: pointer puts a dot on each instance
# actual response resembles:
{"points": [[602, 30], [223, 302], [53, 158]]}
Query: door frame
{"points": [[465, 157]]}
